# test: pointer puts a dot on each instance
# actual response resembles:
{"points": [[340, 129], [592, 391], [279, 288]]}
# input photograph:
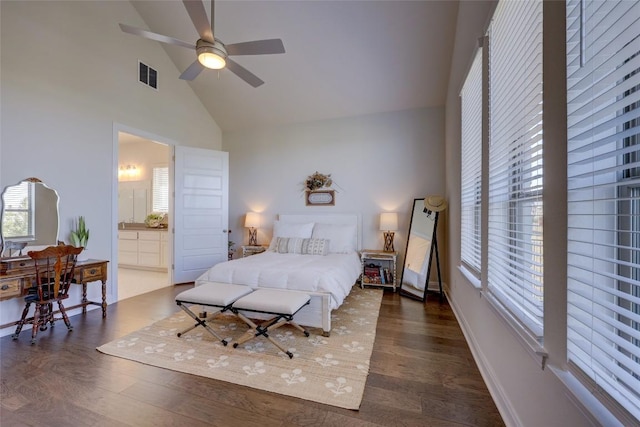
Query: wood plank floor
{"points": [[421, 374]]}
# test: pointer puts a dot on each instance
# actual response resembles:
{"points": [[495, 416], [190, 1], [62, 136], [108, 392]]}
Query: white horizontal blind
{"points": [[160, 200], [471, 166], [603, 283], [515, 259], [18, 218]]}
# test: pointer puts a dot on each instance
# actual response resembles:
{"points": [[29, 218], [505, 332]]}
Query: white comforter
{"points": [[333, 273]]}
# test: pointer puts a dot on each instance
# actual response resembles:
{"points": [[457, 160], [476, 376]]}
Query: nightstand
{"points": [[378, 268], [249, 250]]}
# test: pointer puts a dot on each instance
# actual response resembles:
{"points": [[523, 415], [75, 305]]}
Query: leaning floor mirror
{"points": [[422, 245]]}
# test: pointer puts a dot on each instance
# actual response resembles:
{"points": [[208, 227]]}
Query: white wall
{"points": [[378, 162], [526, 395], [68, 75]]}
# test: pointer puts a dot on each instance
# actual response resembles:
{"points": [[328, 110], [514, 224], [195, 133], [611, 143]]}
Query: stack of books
{"points": [[376, 274]]}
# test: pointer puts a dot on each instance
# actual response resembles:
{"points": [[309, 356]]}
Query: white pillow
{"points": [[285, 229], [342, 237]]}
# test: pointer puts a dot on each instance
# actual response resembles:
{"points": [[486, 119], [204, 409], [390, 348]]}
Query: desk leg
{"points": [[84, 298], [104, 298]]}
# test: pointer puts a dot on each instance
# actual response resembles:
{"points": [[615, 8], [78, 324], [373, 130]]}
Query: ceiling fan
{"points": [[211, 52]]}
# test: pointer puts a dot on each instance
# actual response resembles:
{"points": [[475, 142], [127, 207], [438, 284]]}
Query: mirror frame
{"points": [[57, 207], [432, 249]]}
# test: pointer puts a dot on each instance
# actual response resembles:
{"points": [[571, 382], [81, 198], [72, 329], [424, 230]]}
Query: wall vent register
{"points": [[147, 75]]}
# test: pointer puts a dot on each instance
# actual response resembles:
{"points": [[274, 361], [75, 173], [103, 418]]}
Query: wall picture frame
{"points": [[320, 198]]}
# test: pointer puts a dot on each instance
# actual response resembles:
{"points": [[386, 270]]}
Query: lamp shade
{"points": [[388, 221], [252, 220]]}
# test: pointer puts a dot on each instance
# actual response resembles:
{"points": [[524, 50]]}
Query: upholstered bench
{"points": [[283, 305], [218, 295]]}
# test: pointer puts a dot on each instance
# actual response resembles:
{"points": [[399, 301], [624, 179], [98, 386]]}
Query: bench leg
{"points": [[264, 329], [199, 322]]}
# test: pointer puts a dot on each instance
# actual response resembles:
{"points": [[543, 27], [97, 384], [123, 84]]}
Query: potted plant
{"points": [[231, 250], [154, 220], [80, 236]]}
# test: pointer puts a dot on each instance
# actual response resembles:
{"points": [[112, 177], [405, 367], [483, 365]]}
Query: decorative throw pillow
{"points": [[289, 245], [315, 246]]}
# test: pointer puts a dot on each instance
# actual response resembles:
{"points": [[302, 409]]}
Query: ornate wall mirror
{"points": [[29, 217], [421, 246]]}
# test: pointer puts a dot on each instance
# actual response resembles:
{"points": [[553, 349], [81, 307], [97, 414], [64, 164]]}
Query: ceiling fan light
{"points": [[211, 55], [211, 60]]}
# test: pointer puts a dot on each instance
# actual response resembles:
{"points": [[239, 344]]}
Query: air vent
{"points": [[147, 75]]}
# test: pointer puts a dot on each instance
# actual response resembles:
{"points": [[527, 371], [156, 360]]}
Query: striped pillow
{"points": [[297, 245], [289, 245]]}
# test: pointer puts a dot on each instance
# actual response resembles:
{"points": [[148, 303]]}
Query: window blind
{"points": [[603, 171], [19, 205], [160, 201], [471, 166], [515, 258]]}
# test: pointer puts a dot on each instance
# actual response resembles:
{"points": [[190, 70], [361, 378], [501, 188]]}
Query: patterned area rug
{"points": [[330, 370]]}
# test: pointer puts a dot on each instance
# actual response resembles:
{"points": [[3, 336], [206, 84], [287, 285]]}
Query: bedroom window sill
{"points": [[529, 342], [471, 278], [600, 409]]}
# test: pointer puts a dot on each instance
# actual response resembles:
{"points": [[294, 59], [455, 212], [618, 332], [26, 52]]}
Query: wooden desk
{"points": [[16, 275]]}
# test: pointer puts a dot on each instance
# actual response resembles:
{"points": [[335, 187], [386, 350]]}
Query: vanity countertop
{"points": [[138, 226]]}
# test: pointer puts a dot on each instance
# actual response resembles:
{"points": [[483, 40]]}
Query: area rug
{"points": [[331, 370]]}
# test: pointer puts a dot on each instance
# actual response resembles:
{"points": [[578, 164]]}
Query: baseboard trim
{"points": [[508, 413]]}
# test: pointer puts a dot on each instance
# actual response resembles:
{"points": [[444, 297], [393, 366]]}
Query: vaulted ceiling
{"points": [[343, 58]]}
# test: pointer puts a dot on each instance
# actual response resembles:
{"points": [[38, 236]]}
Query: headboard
{"points": [[337, 219]]}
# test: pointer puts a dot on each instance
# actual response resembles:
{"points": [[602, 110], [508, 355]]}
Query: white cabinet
{"points": [[144, 248], [149, 248], [164, 250], [128, 247]]}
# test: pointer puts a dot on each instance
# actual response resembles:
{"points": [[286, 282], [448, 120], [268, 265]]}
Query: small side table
{"points": [[249, 250], [378, 268]]}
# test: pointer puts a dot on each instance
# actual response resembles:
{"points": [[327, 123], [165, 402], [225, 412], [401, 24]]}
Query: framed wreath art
{"points": [[318, 192]]}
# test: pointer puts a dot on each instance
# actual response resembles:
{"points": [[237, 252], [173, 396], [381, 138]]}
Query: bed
{"points": [[314, 254]]}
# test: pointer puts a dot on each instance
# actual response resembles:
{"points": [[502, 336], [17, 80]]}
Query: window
{"points": [[515, 258], [603, 171], [471, 167], [19, 207], [160, 200]]}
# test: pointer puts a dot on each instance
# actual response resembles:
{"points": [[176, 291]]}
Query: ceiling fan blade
{"points": [[192, 71], [154, 36], [257, 47], [212, 15], [198, 15], [243, 73]]}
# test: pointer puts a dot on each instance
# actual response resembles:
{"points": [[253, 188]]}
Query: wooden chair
{"points": [[54, 268]]}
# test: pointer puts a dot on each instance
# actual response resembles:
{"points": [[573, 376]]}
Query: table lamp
{"points": [[388, 224], [252, 221]]}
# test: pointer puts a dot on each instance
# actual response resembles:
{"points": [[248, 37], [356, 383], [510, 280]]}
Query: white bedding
{"points": [[333, 273]]}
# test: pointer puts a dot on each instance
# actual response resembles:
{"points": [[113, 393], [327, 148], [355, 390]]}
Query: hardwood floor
{"points": [[421, 374]]}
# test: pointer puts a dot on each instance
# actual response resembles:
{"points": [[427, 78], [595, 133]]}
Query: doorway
{"points": [[143, 243]]}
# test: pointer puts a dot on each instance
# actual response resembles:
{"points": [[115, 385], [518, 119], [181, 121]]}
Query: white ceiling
{"points": [[343, 58]]}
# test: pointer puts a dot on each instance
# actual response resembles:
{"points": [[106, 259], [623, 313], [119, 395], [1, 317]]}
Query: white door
{"points": [[201, 217]]}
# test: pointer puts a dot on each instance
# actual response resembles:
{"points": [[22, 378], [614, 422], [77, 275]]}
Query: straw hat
{"points": [[435, 203]]}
